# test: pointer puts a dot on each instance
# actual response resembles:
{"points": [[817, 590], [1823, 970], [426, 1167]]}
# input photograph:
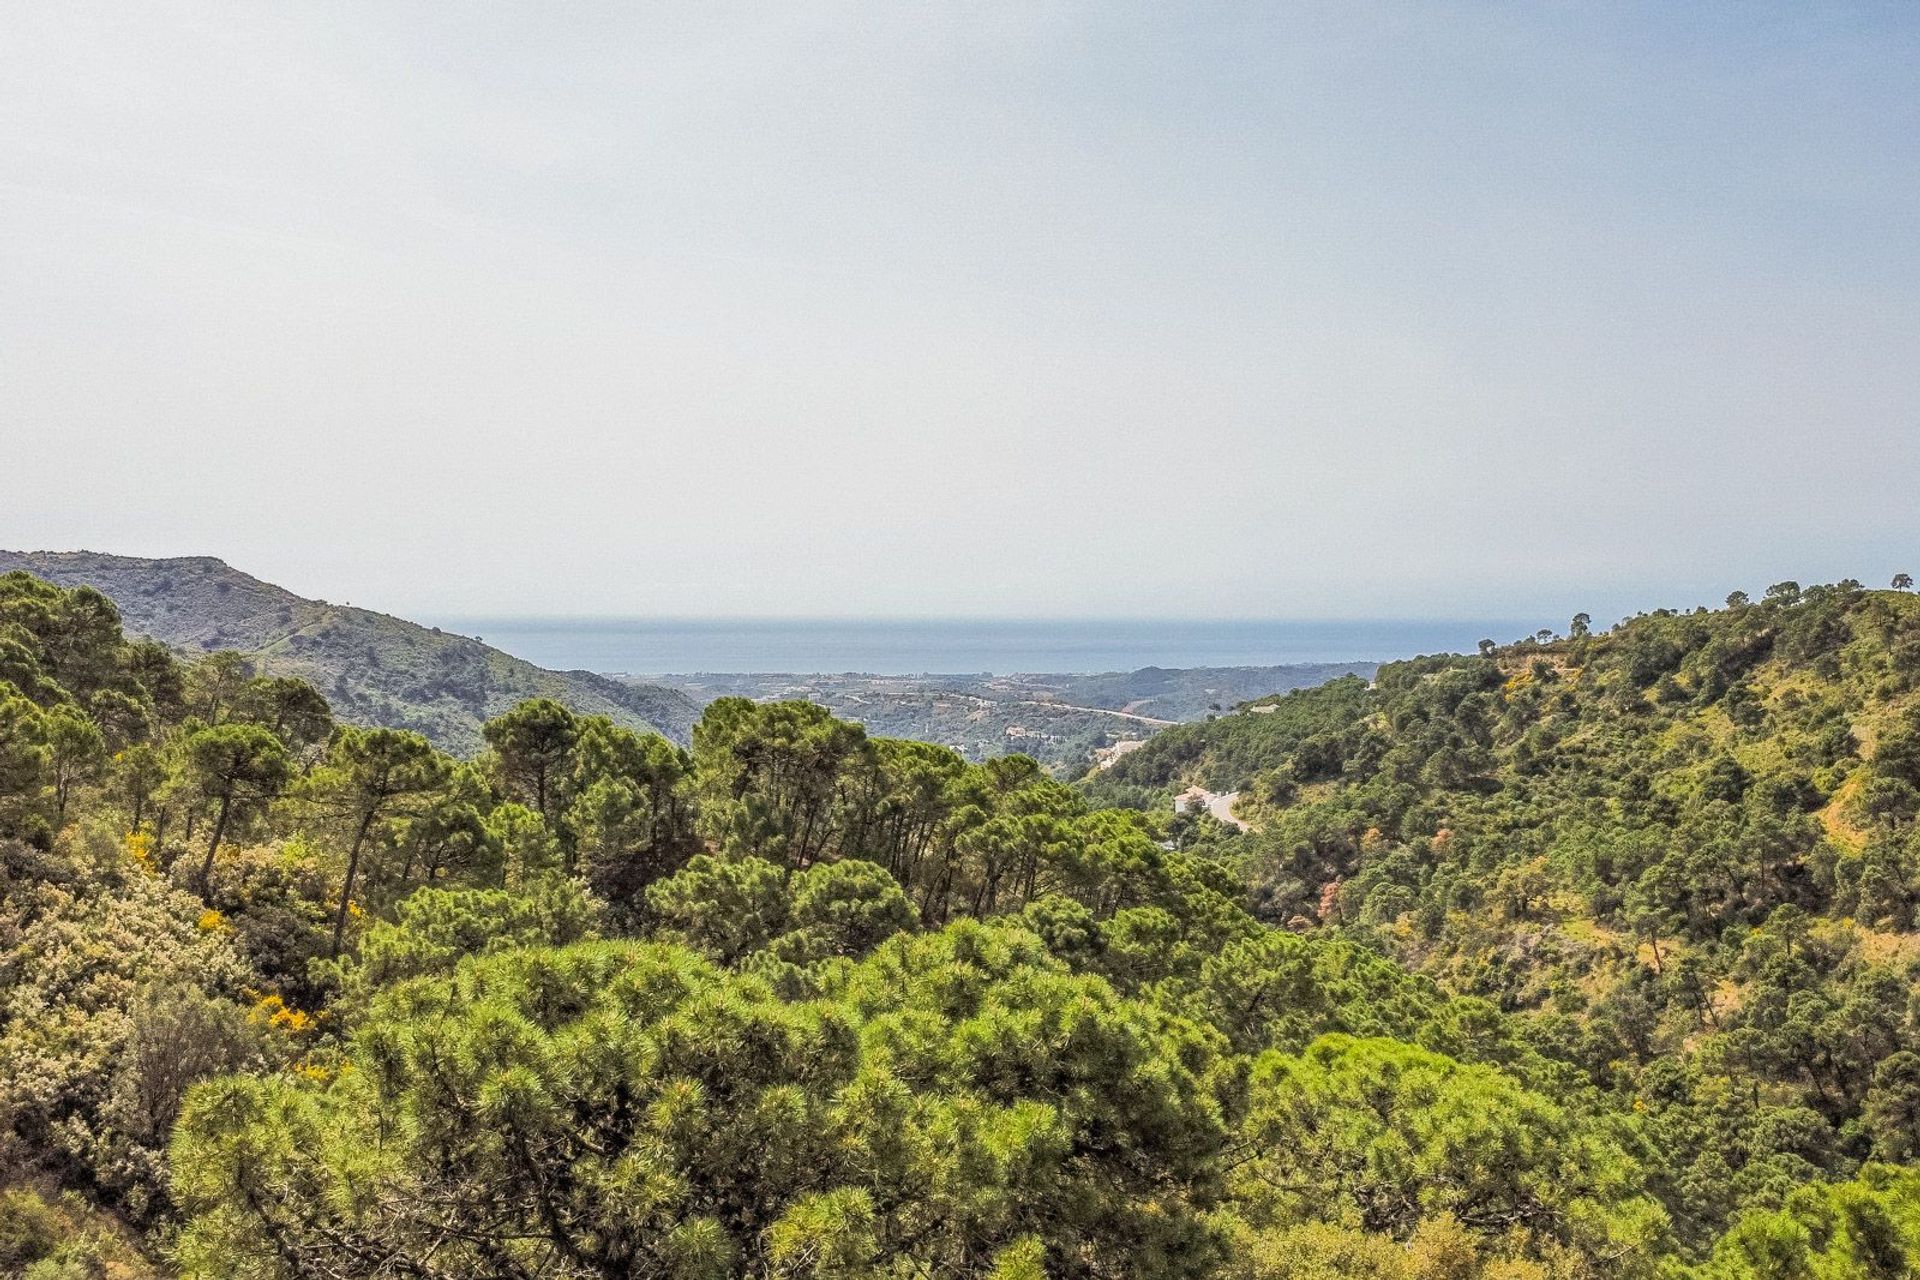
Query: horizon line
{"points": [[940, 618]]}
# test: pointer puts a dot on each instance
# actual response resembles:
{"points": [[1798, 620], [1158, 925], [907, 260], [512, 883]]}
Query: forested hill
{"points": [[1586, 959], [1684, 852], [375, 669]]}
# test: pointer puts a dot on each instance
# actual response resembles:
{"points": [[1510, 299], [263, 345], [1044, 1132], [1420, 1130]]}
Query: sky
{"points": [[1338, 310]]}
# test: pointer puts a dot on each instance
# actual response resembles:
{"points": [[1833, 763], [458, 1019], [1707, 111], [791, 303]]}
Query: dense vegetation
{"points": [[1579, 958], [1681, 855]]}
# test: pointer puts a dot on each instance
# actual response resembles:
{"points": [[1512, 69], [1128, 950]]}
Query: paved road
{"points": [[1219, 804]]}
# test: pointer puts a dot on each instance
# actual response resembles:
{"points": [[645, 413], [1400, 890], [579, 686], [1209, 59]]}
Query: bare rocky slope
{"points": [[373, 668]]}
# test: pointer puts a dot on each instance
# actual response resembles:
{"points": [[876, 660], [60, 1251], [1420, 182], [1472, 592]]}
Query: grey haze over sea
{"points": [[967, 646]]}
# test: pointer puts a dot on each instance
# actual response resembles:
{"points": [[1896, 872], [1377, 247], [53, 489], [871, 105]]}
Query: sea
{"points": [[683, 646]]}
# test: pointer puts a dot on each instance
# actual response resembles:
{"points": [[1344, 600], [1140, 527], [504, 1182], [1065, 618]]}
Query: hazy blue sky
{"points": [[1300, 310]]}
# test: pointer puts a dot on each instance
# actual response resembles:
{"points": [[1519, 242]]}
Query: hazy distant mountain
{"points": [[373, 668]]}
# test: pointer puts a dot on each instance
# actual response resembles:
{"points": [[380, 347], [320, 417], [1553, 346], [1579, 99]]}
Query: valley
{"points": [[1609, 939], [1063, 720]]}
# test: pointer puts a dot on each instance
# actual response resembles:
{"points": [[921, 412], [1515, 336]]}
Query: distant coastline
{"points": [[679, 646]]}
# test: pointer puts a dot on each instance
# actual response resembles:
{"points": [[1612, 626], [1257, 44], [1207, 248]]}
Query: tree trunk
{"points": [[213, 847], [346, 887]]}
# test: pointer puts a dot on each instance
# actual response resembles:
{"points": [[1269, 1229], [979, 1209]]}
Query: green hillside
{"points": [[375, 669], [1683, 854], [1585, 958]]}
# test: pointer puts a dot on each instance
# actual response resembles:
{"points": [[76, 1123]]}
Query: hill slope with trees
{"points": [[1519, 979], [1683, 854], [374, 669]]}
